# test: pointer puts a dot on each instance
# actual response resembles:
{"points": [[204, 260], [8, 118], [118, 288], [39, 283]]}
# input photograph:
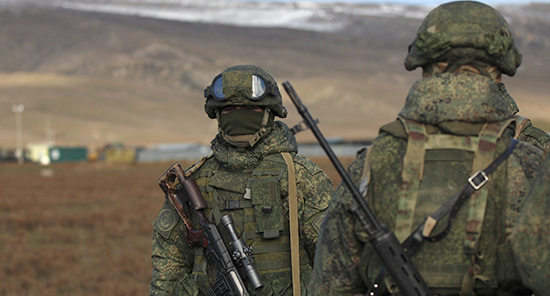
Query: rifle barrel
{"points": [[333, 158]]}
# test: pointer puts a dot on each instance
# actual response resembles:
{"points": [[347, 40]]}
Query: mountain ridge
{"points": [[102, 77]]}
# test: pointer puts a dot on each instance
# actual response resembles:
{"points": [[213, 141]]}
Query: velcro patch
{"points": [[318, 220], [166, 219]]}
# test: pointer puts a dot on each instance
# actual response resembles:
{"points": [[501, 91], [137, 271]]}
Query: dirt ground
{"points": [[81, 229]]}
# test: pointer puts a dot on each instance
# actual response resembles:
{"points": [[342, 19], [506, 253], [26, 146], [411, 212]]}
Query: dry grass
{"points": [[83, 231], [80, 229]]}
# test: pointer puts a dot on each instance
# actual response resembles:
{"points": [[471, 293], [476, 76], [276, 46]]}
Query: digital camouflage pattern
{"points": [[531, 237], [453, 104], [177, 267], [464, 29], [464, 32], [528, 132], [508, 99], [237, 86], [446, 98]]}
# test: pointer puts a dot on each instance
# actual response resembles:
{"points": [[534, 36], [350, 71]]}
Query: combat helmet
{"points": [[464, 30], [244, 85]]}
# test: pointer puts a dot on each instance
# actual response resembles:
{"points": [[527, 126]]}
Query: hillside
{"points": [[95, 78]]}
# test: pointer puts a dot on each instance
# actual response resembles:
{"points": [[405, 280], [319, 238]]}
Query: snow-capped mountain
{"points": [[297, 15]]}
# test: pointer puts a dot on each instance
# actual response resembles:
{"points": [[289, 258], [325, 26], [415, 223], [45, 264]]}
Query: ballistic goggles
{"points": [[230, 84]]}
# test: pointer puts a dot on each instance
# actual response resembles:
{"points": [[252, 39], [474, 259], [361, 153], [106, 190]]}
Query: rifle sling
{"points": [[293, 217], [415, 239]]}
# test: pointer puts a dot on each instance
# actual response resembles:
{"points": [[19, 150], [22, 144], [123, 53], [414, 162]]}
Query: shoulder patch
{"points": [[166, 219], [189, 170], [317, 220]]}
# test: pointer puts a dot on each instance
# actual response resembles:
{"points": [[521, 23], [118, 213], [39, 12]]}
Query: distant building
{"points": [[118, 153], [38, 152], [7, 155], [45, 153], [340, 148], [68, 154], [172, 152]]}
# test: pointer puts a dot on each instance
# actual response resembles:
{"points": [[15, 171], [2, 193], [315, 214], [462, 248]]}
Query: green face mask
{"points": [[244, 128], [241, 122]]}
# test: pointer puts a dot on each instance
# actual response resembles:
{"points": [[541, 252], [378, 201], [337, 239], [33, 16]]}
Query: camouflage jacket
{"points": [[227, 175], [452, 105], [525, 130], [531, 237]]}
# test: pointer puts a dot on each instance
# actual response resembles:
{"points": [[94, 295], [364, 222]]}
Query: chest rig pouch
{"points": [[255, 202], [253, 199], [265, 194]]}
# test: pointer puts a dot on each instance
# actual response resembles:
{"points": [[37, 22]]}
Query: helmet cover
{"points": [[464, 29], [244, 85]]}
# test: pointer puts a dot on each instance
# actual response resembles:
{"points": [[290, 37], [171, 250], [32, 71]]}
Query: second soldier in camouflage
{"points": [[454, 123], [248, 178]]}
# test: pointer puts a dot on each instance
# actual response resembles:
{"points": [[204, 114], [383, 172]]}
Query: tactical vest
{"points": [[256, 202], [451, 266]]}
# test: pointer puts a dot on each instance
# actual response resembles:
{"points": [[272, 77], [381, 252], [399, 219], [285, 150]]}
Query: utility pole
{"points": [[18, 109], [49, 133]]}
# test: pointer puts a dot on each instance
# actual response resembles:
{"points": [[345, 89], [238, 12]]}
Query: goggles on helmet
{"points": [[256, 88]]}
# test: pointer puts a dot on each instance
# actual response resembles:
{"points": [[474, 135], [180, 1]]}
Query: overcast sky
{"points": [[413, 2]]}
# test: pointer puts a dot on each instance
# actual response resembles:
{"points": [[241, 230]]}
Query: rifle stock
{"points": [[384, 242], [177, 198], [180, 190]]}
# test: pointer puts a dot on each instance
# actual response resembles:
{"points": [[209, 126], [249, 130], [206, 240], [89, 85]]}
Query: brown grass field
{"points": [[94, 79], [81, 229]]}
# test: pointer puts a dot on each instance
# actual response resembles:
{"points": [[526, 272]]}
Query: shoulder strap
{"points": [[451, 207], [413, 167], [293, 217], [484, 156], [478, 202]]}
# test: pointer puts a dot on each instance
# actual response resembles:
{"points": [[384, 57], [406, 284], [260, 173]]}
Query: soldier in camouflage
{"points": [[430, 51], [453, 124], [247, 177], [531, 237]]}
